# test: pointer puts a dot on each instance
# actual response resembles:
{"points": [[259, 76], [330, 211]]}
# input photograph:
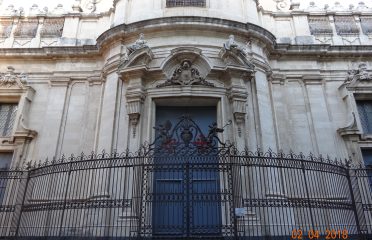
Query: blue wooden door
{"points": [[186, 186]]}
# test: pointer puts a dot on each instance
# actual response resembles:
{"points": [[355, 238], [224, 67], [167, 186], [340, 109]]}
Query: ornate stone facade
{"points": [[277, 75]]}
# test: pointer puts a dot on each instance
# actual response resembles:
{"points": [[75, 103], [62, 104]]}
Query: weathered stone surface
{"points": [[346, 25], [5, 28], [366, 23], [320, 25], [52, 27], [26, 28]]}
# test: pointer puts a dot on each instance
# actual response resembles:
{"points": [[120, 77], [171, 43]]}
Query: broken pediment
{"points": [[235, 55], [186, 74], [139, 58]]}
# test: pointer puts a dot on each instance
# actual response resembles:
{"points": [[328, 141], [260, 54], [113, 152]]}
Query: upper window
{"points": [[7, 117], [5, 161], [365, 114], [186, 3], [367, 157]]}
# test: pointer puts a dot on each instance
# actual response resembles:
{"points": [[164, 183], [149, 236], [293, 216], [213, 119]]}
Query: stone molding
{"points": [[351, 129], [174, 22]]}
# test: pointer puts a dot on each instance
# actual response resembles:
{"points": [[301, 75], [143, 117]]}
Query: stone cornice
{"points": [[192, 22], [281, 50], [321, 51]]}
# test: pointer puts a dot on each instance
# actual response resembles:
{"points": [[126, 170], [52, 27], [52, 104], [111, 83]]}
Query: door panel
{"points": [[186, 188], [168, 205]]}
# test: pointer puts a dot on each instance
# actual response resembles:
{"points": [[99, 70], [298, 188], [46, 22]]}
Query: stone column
{"points": [[269, 177], [108, 115], [265, 111]]}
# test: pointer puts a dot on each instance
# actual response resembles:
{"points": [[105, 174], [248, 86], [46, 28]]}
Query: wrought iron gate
{"points": [[187, 188], [187, 185]]}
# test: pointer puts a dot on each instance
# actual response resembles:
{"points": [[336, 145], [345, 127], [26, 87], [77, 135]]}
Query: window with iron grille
{"points": [[7, 117], [367, 157], [186, 3], [365, 115], [5, 161]]}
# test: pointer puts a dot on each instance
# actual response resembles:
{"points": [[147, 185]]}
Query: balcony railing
{"points": [[230, 195], [185, 3]]}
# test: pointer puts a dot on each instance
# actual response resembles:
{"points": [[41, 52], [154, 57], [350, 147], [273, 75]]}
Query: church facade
{"points": [[186, 118]]}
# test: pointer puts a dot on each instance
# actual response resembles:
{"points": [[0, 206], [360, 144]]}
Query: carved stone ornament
{"points": [[138, 44], [358, 75], [185, 74], [231, 45], [9, 78], [281, 5], [91, 5]]}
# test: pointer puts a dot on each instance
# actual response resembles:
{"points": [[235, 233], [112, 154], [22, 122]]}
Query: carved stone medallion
{"points": [[185, 74]]}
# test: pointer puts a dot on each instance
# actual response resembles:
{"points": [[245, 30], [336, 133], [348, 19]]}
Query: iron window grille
{"points": [[365, 114], [7, 117], [5, 160], [186, 3], [367, 157]]}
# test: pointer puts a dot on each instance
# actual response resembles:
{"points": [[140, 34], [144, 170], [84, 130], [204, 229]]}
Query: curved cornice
{"points": [[194, 23]]}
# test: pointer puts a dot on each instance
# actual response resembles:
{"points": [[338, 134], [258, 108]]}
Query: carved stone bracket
{"points": [[185, 74], [136, 60], [134, 106], [238, 99]]}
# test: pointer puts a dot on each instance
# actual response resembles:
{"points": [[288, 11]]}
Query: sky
{"points": [[26, 4]]}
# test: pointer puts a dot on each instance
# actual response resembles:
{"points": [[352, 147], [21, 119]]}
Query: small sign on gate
{"points": [[240, 212]]}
